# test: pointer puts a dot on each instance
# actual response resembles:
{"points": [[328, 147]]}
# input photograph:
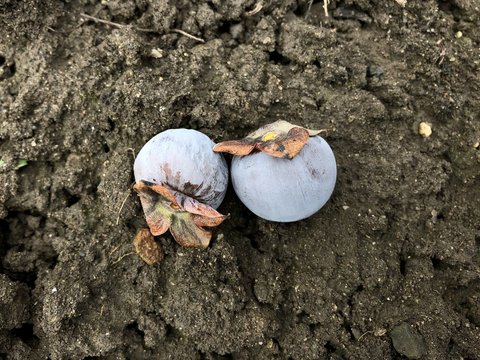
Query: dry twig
{"points": [[122, 257], [101, 21], [122, 26], [325, 7], [184, 33], [258, 7], [121, 207]]}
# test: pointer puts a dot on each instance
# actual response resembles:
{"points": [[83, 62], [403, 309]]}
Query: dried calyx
{"points": [[167, 209], [279, 139]]}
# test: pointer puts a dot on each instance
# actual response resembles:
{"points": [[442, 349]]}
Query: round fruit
{"points": [[183, 160], [285, 190]]}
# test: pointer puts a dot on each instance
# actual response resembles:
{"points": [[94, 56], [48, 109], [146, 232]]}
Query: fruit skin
{"points": [[183, 160], [180, 182], [285, 190]]}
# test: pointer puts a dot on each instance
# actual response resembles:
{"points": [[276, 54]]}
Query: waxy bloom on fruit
{"points": [[181, 182], [282, 172]]}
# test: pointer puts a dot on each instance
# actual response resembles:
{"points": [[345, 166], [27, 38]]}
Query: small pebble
{"points": [[407, 341], [380, 332], [157, 53], [425, 129], [458, 34], [375, 71]]}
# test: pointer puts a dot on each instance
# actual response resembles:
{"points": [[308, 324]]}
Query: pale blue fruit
{"points": [[183, 160], [285, 190]]}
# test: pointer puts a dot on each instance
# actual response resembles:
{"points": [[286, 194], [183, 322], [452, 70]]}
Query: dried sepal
{"points": [[279, 139], [185, 217], [236, 147], [147, 248], [287, 147], [188, 234], [155, 200]]}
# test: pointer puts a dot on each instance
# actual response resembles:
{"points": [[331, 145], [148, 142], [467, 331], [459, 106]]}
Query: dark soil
{"points": [[388, 269]]}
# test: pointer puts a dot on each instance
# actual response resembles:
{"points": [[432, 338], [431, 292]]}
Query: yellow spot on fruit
{"points": [[269, 136]]}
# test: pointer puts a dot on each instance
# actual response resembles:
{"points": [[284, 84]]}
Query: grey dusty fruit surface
{"points": [[389, 267]]}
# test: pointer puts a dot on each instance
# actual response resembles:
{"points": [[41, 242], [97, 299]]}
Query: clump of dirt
{"points": [[392, 259]]}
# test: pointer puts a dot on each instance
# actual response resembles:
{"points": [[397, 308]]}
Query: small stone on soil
{"points": [[407, 341], [425, 129]]}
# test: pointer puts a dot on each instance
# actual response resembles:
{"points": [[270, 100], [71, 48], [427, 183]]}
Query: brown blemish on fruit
{"points": [[169, 177]]}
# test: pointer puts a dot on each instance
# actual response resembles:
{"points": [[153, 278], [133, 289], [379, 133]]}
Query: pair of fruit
{"points": [[281, 172]]}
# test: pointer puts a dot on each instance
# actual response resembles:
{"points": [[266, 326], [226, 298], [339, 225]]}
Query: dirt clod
{"points": [[407, 341]]}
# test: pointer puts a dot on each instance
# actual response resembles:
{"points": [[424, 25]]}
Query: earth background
{"points": [[388, 269]]}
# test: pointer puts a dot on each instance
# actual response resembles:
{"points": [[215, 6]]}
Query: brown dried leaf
{"points": [[289, 146], [279, 139], [184, 217], [235, 147], [188, 234], [147, 248]]}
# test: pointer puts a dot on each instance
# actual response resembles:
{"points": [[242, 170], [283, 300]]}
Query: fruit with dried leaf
{"points": [[181, 182], [282, 172]]}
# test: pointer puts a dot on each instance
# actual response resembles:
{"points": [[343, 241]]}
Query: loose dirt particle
{"points": [[425, 129]]}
